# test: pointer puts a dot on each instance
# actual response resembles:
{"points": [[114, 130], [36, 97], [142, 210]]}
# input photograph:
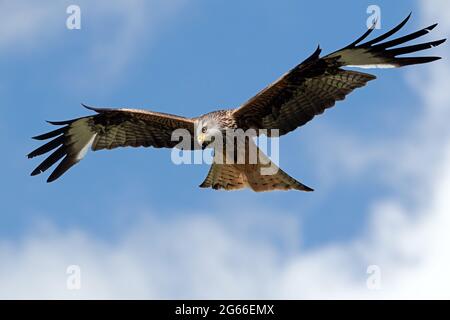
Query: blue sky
{"points": [[188, 58]]}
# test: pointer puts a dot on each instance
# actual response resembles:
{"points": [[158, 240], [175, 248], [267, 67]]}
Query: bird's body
{"points": [[293, 100]]}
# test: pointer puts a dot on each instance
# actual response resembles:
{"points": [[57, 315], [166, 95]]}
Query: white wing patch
{"points": [[81, 137], [85, 149], [362, 58], [374, 66]]}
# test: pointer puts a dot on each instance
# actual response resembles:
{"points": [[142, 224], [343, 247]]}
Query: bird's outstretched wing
{"points": [[108, 129], [317, 83]]}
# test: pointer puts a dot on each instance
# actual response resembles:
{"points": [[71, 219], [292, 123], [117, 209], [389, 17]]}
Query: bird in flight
{"points": [[290, 102]]}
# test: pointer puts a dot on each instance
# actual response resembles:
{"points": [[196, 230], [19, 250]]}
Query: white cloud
{"points": [[194, 256], [405, 158], [204, 256], [22, 21]]}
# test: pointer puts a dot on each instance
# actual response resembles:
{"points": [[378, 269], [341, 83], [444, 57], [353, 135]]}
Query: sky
{"points": [[137, 226]]}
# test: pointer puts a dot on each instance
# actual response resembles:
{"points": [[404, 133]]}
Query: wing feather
{"points": [[317, 83], [108, 129]]}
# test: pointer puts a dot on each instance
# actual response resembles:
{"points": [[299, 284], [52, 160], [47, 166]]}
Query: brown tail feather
{"points": [[224, 176], [262, 176], [279, 180], [234, 177]]}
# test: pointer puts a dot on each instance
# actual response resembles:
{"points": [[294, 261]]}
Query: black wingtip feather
{"points": [[380, 38], [389, 33], [386, 53], [430, 28], [364, 36], [47, 147], [415, 48], [98, 110], [401, 40], [61, 123], [314, 56], [50, 134], [87, 107], [50, 161], [65, 164], [402, 62]]}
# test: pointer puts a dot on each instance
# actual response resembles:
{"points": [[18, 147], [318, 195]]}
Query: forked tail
{"points": [[262, 176]]}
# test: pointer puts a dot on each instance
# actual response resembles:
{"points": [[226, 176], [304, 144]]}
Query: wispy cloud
{"points": [[194, 256], [111, 43], [24, 24], [398, 159]]}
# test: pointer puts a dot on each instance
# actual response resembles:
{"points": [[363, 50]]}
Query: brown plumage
{"points": [[296, 98]]}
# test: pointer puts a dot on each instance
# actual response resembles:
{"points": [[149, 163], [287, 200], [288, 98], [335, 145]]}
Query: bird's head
{"points": [[207, 130]]}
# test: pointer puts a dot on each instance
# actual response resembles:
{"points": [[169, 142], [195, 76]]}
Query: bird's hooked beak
{"points": [[201, 140], [204, 140]]}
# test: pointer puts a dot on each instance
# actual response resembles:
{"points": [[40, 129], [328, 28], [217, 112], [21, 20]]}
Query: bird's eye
{"points": [[204, 129]]}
